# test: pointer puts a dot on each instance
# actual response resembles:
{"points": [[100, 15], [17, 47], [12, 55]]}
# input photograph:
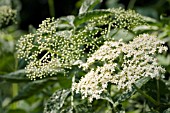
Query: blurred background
{"points": [[32, 12]]}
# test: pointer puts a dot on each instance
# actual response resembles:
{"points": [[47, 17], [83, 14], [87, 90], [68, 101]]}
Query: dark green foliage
{"points": [[15, 77], [127, 94], [32, 88], [56, 102]]}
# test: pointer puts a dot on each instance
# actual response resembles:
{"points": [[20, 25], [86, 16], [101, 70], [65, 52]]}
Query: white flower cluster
{"points": [[7, 15], [121, 64], [52, 48]]}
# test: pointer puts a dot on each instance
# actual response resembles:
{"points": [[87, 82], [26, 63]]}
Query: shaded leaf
{"points": [[66, 110], [64, 81], [88, 5], [30, 89], [56, 101], [142, 81], [106, 96], [7, 63], [17, 111], [127, 94], [15, 77], [81, 108], [85, 17], [164, 92]]}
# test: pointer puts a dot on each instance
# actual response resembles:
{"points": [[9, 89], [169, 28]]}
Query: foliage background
{"points": [[26, 96]]}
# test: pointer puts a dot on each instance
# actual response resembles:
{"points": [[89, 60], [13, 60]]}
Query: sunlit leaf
{"points": [[68, 19], [56, 101], [88, 5], [85, 17]]}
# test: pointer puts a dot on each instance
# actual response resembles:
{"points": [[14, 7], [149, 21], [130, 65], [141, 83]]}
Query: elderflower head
{"points": [[122, 64], [6, 15], [65, 47], [48, 51]]}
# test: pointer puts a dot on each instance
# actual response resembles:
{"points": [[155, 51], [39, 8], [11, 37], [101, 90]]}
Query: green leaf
{"points": [[16, 111], [68, 19], [106, 96], [66, 32], [127, 94], [167, 111], [31, 29], [142, 81], [15, 77], [31, 89], [153, 111], [145, 28], [85, 17], [164, 60], [7, 63], [65, 23], [88, 5], [66, 110], [81, 108], [56, 101], [64, 81], [164, 92]]}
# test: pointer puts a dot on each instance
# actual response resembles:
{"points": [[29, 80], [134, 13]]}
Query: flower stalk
{"points": [[146, 96]]}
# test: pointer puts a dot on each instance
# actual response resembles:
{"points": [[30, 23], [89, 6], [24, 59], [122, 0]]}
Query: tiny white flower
{"points": [[139, 61]]}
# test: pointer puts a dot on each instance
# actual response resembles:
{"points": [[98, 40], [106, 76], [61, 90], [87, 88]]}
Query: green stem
{"points": [[112, 107], [109, 27], [146, 96], [51, 7], [158, 91], [1, 100], [94, 43], [14, 93], [131, 4], [16, 62], [111, 103], [15, 85], [72, 93], [44, 56]]}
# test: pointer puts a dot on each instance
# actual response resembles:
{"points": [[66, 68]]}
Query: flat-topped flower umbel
{"points": [[121, 64], [58, 44]]}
